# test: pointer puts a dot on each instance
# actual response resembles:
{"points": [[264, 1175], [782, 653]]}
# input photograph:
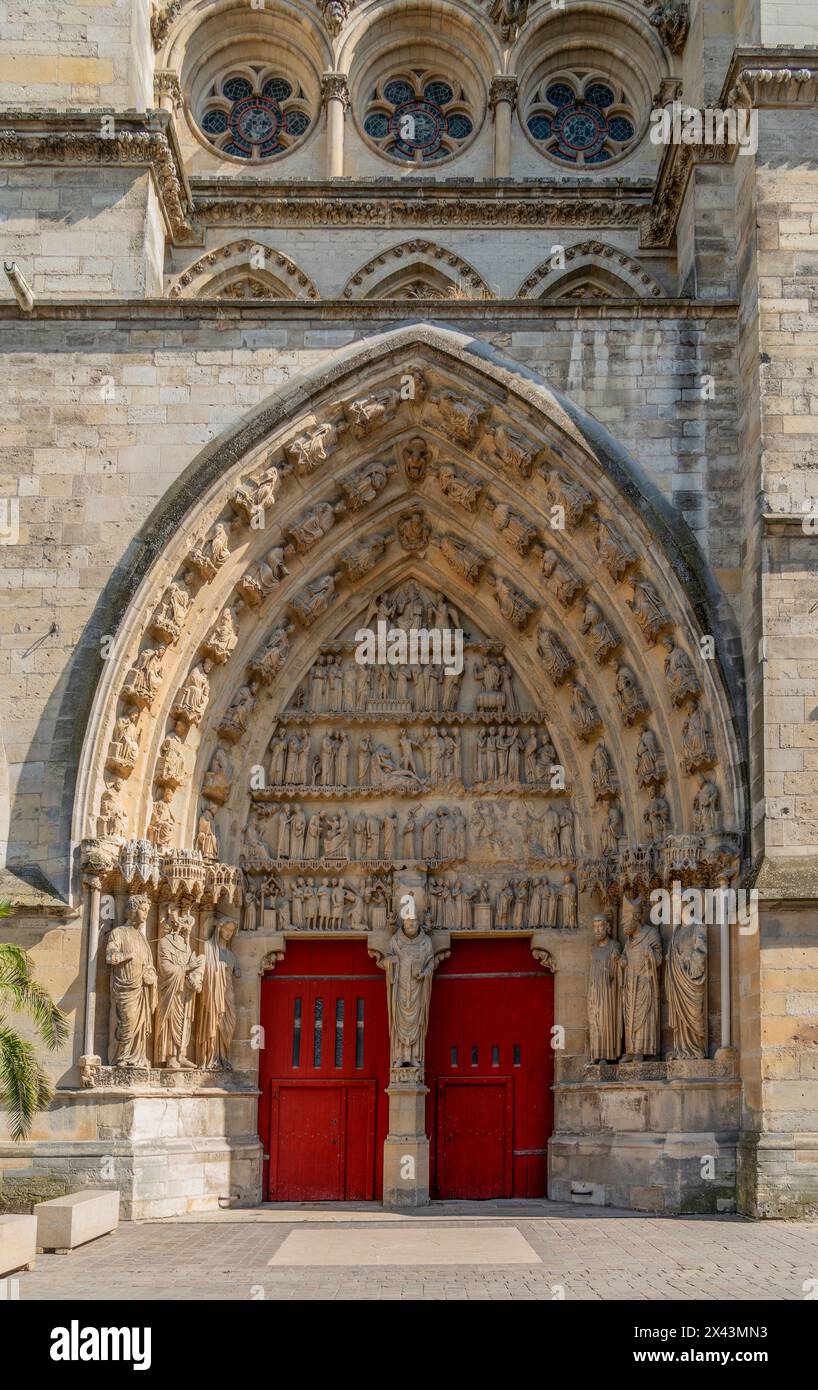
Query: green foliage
{"points": [[24, 1086]]}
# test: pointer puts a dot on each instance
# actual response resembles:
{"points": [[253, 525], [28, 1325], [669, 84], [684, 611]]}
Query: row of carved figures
{"points": [[502, 754], [183, 1000], [297, 836], [625, 986]]}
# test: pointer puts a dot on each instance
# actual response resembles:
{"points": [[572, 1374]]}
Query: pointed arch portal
{"points": [[239, 758]]}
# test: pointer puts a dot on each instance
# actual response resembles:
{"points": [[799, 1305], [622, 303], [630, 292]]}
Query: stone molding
{"points": [[147, 140], [233, 255], [631, 271], [658, 223], [379, 266]]}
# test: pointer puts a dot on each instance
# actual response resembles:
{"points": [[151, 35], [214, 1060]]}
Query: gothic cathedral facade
{"points": [[409, 663]]}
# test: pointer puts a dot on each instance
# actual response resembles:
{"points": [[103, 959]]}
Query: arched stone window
{"points": [[418, 115], [254, 112]]}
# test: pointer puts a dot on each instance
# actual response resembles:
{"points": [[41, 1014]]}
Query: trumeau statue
{"points": [[180, 972], [216, 1016], [409, 962], [686, 989], [641, 962], [133, 987], [605, 994]]}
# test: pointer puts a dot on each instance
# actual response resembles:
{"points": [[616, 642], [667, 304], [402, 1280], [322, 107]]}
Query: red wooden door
{"points": [[490, 1068], [323, 1072]]}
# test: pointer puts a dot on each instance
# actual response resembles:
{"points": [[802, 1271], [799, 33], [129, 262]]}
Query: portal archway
{"points": [[241, 757]]}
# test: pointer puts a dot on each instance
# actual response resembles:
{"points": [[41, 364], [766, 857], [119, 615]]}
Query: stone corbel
{"points": [[671, 20], [162, 17], [335, 14]]}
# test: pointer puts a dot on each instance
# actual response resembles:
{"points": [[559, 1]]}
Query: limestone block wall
{"points": [[94, 53], [82, 232]]}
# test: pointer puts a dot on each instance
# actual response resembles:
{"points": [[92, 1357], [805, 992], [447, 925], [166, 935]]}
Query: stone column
{"points": [[89, 1060], [335, 96], [502, 96]]}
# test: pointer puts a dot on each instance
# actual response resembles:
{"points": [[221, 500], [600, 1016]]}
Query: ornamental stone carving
{"points": [[463, 558], [679, 673], [180, 974], [462, 488], [462, 420], [604, 994], [556, 659], [409, 962], [123, 749], [144, 680], [193, 695], [515, 606], [641, 963], [216, 1015], [686, 989], [170, 613], [308, 451], [133, 987], [615, 554], [648, 609]]}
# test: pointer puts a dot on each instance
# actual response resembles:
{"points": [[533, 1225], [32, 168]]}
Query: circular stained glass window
{"points": [[418, 116], [579, 118], [254, 114]]}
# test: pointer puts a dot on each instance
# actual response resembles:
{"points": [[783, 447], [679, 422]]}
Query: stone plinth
{"points": [[663, 1140], [167, 1151], [406, 1148]]}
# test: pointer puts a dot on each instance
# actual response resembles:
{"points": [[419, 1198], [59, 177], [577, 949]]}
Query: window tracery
{"points": [[581, 118], [418, 116], [254, 112]]}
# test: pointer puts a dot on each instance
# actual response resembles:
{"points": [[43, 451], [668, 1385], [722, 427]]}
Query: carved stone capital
{"points": [[166, 84], [502, 89], [335, 87]]}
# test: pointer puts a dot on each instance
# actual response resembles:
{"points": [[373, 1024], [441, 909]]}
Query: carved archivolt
{"points": [[391, 274], [583, 748], [212, 275], [619, 270]]}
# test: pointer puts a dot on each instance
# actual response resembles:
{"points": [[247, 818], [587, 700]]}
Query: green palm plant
{"points": [[24, 1086]]}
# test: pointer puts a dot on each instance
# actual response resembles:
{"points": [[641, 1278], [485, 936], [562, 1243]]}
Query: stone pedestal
{"points": [[184, 1145], [406, 1148], [651, 1136]]}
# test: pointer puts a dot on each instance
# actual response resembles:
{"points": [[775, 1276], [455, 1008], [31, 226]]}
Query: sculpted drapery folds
{"points": [[133, 987], [686, 989], [409, 963], [605, 994], [181, 972], [216, 1016], [641, 966]]}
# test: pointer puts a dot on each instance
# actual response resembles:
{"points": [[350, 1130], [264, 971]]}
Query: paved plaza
{"points": [[452, 1250]]}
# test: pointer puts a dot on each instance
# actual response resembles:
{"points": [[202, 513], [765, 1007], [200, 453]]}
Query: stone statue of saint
{"points": [[686, 989], [605, 994], [409, 962], [133, 988], [216, 1019], [641, 961], [180, 973]]}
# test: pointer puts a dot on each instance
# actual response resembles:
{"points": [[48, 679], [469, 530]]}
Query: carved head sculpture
{"points": [[602, 927], [137, 910], [225, 930]]}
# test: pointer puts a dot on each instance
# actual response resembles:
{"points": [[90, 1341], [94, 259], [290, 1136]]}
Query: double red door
{"points": [[324, 1070], [489, 1069], [323, 1111]]}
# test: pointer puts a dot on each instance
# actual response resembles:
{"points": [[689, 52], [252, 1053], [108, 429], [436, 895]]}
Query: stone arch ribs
{"points": [[614, 269], [419, 418], [244, 260], [384, 276]]}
